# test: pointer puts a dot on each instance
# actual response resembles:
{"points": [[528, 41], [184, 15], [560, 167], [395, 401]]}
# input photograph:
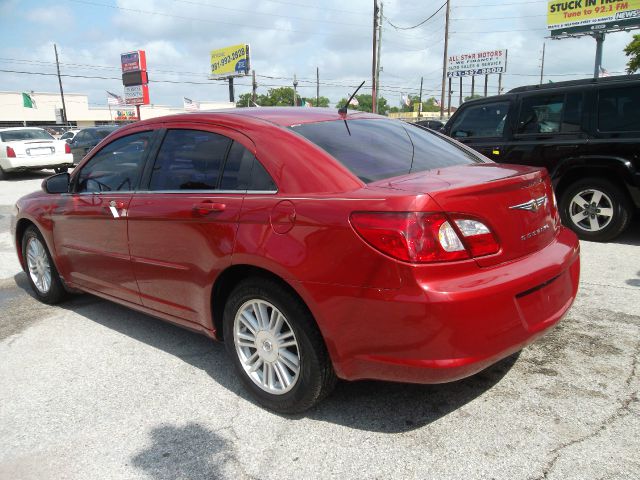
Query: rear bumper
{"points": [[33, 163], [435, 330]]}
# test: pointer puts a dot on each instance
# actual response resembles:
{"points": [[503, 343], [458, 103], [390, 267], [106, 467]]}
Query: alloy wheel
{"points": [[39, 266], [591, 210], [266, 346]]}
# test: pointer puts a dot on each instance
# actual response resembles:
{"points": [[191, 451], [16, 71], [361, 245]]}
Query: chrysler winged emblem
{"points": [[532, 205]]}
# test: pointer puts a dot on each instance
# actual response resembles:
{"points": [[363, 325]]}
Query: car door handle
{"points": [[205, 208]]}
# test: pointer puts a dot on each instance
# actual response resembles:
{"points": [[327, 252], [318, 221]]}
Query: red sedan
{"points": [[318, 245]]}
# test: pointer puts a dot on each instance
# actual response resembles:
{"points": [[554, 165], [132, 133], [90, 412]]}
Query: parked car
{"points": [[87, 138], [69, 135], [585, 132], [432, 124], [30, 148], [315, 244]]}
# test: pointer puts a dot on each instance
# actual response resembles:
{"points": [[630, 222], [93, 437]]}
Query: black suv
{"points": [[585, 132], [87, 138]]}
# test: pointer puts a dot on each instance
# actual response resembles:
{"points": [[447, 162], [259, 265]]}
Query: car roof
{"points": [[282, 116], [8, 129], [99, 127]]}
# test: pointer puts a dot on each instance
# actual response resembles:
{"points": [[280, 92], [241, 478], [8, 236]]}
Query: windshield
{"points": [[378, 149], [103, 132], [26, 134]]}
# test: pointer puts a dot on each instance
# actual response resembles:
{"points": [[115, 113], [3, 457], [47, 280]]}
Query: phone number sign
{"points": [[230, 61], [477, 63]]}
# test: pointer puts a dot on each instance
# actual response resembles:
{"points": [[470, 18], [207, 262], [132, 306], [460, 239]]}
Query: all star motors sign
{"points": [[481, 62], [585, 16]]}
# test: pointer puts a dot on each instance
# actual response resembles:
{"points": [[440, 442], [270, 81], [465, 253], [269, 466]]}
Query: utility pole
{"points": [[378, 67], [64, 107], [254, 86], [374, 90], [460, 92], [449, 104], [599, 44], [317, 87], [445, 59], [473, 85], [486, 85], [420, 99], [544, 45], [295, 89], [231, 99]]}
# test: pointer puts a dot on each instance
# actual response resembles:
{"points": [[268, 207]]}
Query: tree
{"points": [[471, 97], [365, 104], [633, 51], [324, 101]]}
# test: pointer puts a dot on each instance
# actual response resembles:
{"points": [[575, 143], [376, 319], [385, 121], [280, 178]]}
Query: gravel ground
{"points": [[90, 389]]}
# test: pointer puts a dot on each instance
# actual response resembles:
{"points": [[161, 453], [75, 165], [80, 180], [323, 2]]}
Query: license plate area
{"points": [[540, 304], [35, 152]]}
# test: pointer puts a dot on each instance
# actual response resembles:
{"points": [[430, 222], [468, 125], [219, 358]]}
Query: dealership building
{"points": [[47, 107]]}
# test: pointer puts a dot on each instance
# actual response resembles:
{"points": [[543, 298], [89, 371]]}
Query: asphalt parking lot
{"points": [[89, 389]]}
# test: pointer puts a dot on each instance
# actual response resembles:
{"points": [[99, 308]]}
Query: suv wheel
{"points": [[596, 209], [276, 347]]}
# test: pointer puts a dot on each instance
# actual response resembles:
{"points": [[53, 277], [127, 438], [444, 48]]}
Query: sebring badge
{"points": [[532, 205]]}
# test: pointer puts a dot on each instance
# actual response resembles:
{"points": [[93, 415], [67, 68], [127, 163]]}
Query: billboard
{"points": [[230, 61], [125, 115], [585, 16], [133, 61], [477, 63]]}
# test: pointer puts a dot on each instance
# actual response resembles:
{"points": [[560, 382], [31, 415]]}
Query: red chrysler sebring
{"points": [[318, 244]]}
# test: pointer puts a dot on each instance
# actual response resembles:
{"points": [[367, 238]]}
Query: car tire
{"points": [[276, 346], [595, 209], [41, 271]]}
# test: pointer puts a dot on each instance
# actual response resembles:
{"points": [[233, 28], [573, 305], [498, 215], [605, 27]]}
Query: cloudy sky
{"points": [[287, 37]]}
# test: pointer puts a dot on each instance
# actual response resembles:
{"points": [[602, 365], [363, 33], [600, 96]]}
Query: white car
{"points": [[69, 135], [30, 148]]}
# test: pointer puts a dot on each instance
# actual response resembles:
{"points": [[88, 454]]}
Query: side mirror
{"points": [[68, 140], [57, 183]]}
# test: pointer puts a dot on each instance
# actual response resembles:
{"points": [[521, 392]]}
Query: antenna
{"points": [[343, 110]]}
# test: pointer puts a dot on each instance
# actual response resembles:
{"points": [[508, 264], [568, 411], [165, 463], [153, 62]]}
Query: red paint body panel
{"points": [[380, 318]]}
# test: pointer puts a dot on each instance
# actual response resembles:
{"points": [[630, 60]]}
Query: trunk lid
{"points": [[515, 202], [36, 148]]}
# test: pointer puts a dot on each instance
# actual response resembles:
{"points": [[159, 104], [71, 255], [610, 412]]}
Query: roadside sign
{"points": [[136, 95], [132, 61], [477, 63]]}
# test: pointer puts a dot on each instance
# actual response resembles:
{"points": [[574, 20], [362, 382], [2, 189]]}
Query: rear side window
{"points": [[486, 120], [242, 171], [189, 160], [551, 114], [378, 149], [619, 110], [117, 166]]}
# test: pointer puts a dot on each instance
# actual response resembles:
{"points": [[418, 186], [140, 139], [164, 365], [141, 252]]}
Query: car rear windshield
{"points": [[103, 132], [376, 149], [26, 134]]}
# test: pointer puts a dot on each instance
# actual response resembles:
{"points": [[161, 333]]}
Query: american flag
{"points": [[113, 99], [190, 104]]}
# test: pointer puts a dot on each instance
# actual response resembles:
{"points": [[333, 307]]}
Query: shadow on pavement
{"points": [[191, 451], [632, 235], [365, 405]]}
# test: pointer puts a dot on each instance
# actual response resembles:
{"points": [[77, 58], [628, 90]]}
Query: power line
{"points": [[419, 24]]}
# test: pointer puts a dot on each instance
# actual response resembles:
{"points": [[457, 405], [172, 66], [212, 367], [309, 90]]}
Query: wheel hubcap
{"points": [[591, 210], [38, 264], [266, 346]]}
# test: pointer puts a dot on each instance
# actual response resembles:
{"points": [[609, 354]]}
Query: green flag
{"points": [[28, 101]]}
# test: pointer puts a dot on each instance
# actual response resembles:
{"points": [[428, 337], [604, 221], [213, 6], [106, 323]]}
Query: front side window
{"points": [[540, 114], [486, 120], [619, 110], [117, 166], [189, 160], [378, 149]]}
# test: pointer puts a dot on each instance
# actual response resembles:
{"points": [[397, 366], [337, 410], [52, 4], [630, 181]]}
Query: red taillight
{"points": [[477, 236], [424, 237], [11, 153], [67, 148]]}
